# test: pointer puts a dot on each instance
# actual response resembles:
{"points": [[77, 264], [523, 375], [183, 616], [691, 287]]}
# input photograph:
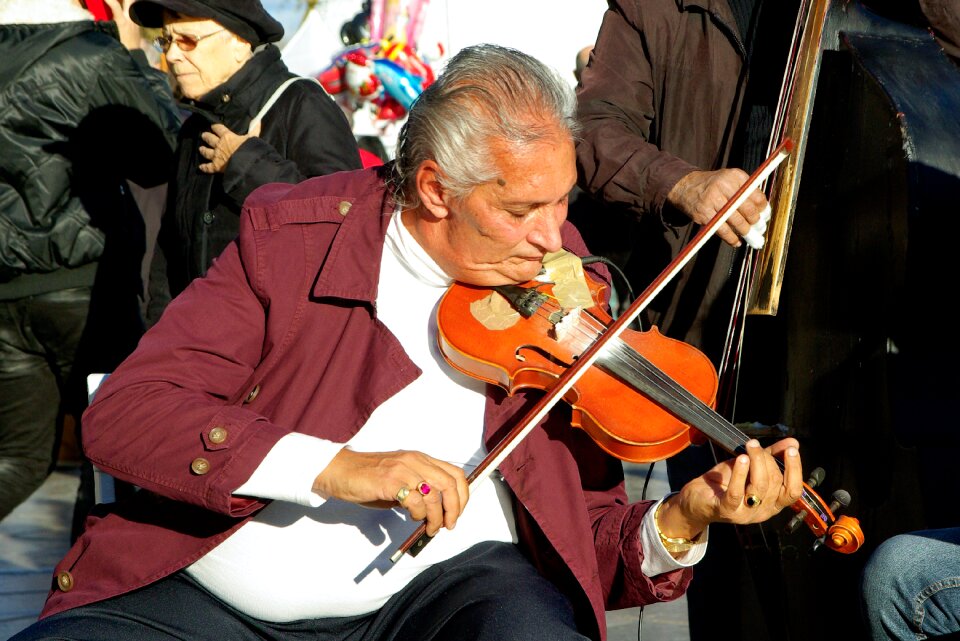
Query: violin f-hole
{"points": [[543, 353]]}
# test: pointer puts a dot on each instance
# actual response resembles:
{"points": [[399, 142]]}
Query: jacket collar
{"points": [[351, 268], [24, 44], [46, 12], [237, 101], [717, 8]]}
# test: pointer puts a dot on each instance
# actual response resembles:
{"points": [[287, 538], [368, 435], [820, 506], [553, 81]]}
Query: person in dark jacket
{"points": [[80, 115], [291, 422], [248, 127], [674, 118], [677, 103]]}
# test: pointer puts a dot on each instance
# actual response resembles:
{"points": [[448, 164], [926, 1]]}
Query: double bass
{"points": [[843, 340]]}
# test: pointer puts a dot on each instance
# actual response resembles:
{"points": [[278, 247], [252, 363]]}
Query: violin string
{"points": [[722, 432], [697, 411], [659, 381]]}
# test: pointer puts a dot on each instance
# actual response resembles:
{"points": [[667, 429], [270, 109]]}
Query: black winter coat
{"points": [[78, 116], [304, 134]]}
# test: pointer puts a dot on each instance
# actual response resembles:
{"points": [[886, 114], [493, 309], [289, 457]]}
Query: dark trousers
{"points": [[39, 337], [488, 593]]}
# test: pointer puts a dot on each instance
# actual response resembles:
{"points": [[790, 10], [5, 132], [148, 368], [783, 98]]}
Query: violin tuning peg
{"points": [[818, 543], [795, 522], [839, 499], [816, 477]]}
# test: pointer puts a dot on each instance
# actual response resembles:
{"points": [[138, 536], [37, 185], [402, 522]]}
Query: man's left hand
{"points": [[721, 494], [221, 144]]}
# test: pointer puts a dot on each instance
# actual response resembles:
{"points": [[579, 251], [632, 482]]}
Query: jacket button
{"points": [[208, 217], [217, 435], [200, 466], [225, 97], [252, 395], [344, 207], [64, 581]]}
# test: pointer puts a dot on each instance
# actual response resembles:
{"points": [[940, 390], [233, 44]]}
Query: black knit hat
{"points": [[246, 18]]}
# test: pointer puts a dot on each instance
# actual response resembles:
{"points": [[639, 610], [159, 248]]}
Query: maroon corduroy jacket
{"points": [[282, 336]]}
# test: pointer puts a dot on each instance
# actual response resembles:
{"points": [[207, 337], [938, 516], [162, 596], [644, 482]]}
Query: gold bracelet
{"points": [[673, 544]]}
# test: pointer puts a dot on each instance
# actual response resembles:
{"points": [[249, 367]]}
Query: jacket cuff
{"points": [[662, 181]]}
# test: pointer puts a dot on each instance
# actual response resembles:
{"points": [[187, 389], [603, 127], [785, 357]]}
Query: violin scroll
{"points": [[840, 533], [843, 536]]}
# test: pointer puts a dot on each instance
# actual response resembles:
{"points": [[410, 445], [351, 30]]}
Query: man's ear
{"points": [[431, 189]]}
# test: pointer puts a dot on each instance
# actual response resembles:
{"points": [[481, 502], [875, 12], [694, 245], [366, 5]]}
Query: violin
{"points": [[672, 377], [646, 398], [640, 396]]}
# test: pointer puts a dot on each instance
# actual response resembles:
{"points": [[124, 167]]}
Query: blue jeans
{"points": [[911, 586]]}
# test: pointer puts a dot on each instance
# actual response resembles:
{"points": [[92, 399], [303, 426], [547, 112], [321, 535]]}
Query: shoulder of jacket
{"points": [[632, 10], [305, 90], [81, 60], [322, 199], [102, 55]]}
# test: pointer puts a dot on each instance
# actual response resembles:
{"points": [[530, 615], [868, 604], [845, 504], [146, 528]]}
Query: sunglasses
{"points": [[184, 42]]}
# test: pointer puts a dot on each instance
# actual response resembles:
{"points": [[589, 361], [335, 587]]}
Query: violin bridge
{"points": [[565, 322]]}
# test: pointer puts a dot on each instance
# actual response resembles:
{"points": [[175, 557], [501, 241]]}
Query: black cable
{"points": [[588, 260], [643, 497]]}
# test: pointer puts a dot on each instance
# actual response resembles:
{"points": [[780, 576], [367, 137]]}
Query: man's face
{"points": [[199, 63], [501, 231]]}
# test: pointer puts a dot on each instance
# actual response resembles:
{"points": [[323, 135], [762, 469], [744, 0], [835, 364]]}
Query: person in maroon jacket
{"points": [[291, 424]]}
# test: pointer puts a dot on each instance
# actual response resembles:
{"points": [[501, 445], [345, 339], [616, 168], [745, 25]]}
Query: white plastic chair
{"points": [[103, 485]]}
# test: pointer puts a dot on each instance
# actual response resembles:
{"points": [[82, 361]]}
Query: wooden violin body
{"points": [[530, 355]]}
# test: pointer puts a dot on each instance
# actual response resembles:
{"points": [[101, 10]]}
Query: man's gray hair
{"points": [[487, 94]]}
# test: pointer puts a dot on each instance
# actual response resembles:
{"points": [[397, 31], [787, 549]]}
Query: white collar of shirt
{"points": [[412, 256]]}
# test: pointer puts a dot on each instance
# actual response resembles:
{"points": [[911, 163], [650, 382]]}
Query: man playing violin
{"points": [[291, 422]]}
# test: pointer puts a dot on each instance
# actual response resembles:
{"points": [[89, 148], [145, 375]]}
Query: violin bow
{"points": [[419, 538]]}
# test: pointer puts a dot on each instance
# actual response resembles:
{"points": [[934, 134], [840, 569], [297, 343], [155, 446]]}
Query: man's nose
{"points": [[546, 234]]}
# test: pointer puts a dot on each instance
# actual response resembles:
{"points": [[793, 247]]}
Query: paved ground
{"points": [[32, 540], [36, 534], [663, 621]]}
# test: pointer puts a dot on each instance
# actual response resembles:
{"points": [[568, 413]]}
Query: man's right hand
{"points": [[374, 479], [701, 194]]}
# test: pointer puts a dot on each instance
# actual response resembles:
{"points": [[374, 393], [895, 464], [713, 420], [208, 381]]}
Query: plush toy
{"points": [[382, 74], [387, 73]]}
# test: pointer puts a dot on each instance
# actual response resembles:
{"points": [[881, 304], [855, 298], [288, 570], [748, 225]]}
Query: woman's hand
{"points": [[220, 144]]}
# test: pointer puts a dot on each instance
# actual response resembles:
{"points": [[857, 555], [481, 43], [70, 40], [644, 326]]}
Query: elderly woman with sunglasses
{"points": [[228, 75]]}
